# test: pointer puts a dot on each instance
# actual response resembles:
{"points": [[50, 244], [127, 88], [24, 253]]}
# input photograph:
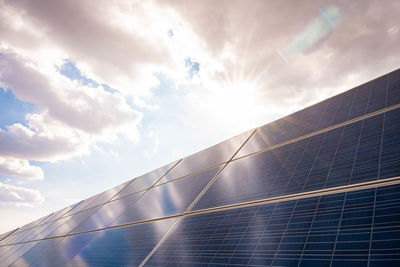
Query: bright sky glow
{"points": [[93, 93]]}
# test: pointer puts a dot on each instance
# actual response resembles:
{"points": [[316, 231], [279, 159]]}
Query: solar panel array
{"points": [[320, 187]]}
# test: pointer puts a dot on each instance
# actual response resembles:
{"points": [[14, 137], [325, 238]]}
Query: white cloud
{"points": [[19, 196], [71, 116], [242, 81], [20, 168]]}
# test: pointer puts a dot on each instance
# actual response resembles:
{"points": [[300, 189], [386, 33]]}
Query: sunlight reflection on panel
{"points": [[107, 195], [168, 199], [206, 158], [125, 246], [66, 250], [73, 221], [35, 252], [107, 214], [144, 181], [18, 252]]}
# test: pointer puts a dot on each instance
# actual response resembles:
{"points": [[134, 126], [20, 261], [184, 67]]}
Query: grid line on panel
{"points": [[190, 174], [132, 180], [9, 234], [152, 185], [338, 229], [61, 218], [266, 149], [372, 229], [284, 232], [100, 206], [269, 148], [372, 114], [309, 230], [315, 193], [195, 201], [142, 194], [97, 206], [202, 240]]}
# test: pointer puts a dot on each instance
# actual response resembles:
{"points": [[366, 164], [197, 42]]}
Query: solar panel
{"points": [[357, 102], [123, 246], [144, 182], [334, 229], [207, 158], [167, 199], [65, 250], [106, 196], [107, 214], [320, 187]]}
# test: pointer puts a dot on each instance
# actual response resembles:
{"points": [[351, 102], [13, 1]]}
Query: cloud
{"points": [[101, 38], [71, 116], [358, 47], [20, 168], [224, 59], [19, 196]]}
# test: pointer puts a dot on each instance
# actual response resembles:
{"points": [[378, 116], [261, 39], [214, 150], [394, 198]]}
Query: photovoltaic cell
{"points": [[390, 157], [167, 199], [334, 230], [124, 246], [346, 155], [207, 158], [357, 228], [35, 251], [393, 96], [144, 182], [106, 196], [72, 222], [359, 101], [17, 251], [65, 250], [107, 214]]}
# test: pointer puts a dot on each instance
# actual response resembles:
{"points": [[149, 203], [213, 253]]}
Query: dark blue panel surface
{"points": [[143, 182], [167, 199], [346, 155], [124, 246], [43, 230], [65, 250], [35, 251], [72, 222], [207, 158], [17, 251], [107, 214], [344, 229], [393, 96], [390, 158], [106, 196], [359, 101]]}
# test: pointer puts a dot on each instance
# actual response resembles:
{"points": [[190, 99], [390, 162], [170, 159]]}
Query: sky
{"points": [[94, 93]]}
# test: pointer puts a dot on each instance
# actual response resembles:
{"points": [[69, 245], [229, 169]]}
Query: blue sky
{"points": [[95, 93]]}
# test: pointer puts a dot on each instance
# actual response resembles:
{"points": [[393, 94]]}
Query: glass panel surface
{"points": [[107, 214], [346, 229], [44, 230], [167, 199], [390, 158], [33, 254], [17, 251], [342, 156], [65, 250], [207, 158], [107, 195], [72, 222], [123, 246], [145, 181], [356, 102]]}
